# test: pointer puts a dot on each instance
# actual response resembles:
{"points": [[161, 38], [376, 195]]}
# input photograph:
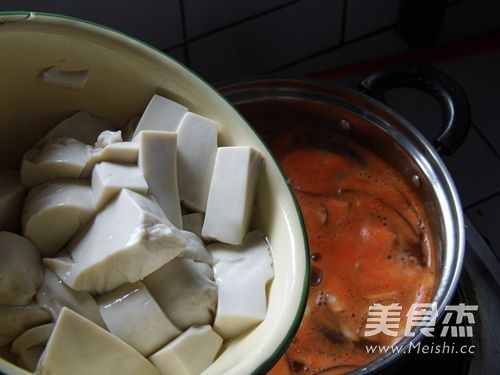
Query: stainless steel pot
{"points": [[382, 130]]}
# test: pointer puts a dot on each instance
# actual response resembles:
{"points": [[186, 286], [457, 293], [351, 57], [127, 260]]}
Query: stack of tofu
{"points": [[130, 254]]}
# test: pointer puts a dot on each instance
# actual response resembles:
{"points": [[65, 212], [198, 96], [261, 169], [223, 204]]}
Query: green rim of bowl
{"points": [[280, 350]]}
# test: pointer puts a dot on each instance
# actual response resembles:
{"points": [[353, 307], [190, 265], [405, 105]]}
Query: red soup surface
{"points": [[369, 244]]}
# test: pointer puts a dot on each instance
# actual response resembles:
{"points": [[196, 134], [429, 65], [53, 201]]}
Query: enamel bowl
{"points": [[125, 73]]}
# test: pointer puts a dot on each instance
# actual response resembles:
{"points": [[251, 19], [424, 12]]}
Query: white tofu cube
{"points": [[52, 159], [53, 213], [132, 315], [53, 295], [69, 79], [11, 199], [241, 273], [158, 163], [20, 269], [82, 126], [161, 114], [30, 345], [109, 178], [108, 137], [232, 194], [190, 353], [79, 347], [195, 249], [17, 319], [126, 241], [122, 153], [196, 148], [35, 336], [185, 291]]}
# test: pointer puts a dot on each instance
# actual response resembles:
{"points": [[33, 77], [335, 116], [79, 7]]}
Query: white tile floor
{"points": [[470, 18], [366, 16], [379, 45], [486, 217], [267, 42], [205, 16], [480, 77]]}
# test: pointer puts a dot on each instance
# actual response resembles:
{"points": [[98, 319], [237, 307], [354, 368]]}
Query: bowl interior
{"points": [[125, 73]]}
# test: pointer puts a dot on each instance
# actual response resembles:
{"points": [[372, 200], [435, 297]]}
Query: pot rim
{"points": [[444, 189]]}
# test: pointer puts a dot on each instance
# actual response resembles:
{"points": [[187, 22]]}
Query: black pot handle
{"points": [[450, 96]]}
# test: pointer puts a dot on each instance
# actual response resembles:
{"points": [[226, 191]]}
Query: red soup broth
{"points": [[368, 241]]}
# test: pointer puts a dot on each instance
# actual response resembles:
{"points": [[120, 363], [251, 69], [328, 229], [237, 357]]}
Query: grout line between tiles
{"points": [[184, 33], [329, 49], [242, 20], [482, 200], [487, 141], [172, 47], [344, 22], [455, 2]]}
